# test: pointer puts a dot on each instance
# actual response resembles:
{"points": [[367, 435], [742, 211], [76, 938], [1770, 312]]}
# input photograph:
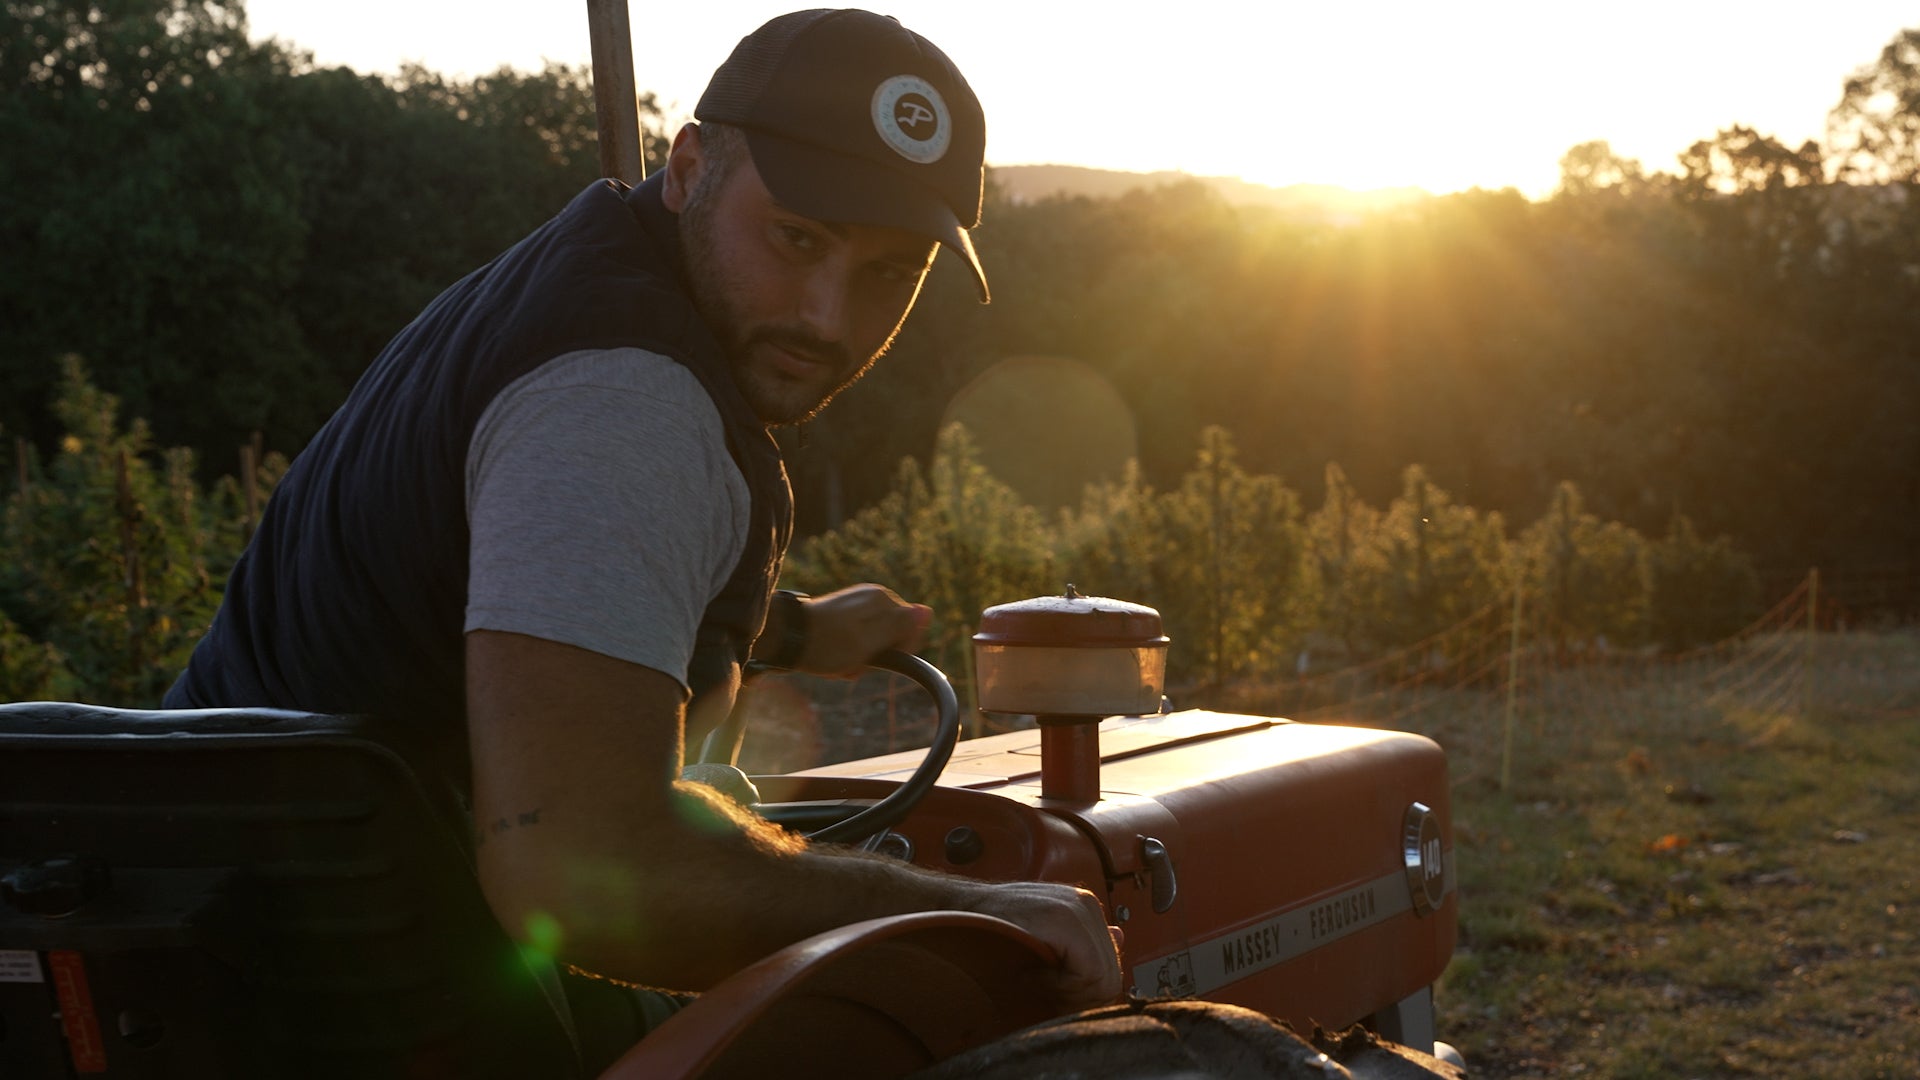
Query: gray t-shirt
{"points": [[604, 508]]}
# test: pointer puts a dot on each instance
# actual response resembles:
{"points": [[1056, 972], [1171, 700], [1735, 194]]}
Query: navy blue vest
{"points": [[352, 595]]}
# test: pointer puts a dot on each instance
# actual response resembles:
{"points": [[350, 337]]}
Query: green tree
{"points": [[112, 557], [1762, 213], [989, 546], [32, 670], [147, 211], [1698, 591], [1439, 562], [1586, 575], [1739, 160], [1339, 541], [883, 542], [1874, 132], [409, 182], [1236, 599], [230, 235], [1592, 167], [954, 538], [1115, 543]]}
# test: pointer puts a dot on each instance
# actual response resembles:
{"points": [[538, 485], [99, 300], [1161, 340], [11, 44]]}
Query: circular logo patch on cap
{"points": [[912, 118]]}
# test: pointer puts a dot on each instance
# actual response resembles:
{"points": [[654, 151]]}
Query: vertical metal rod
{"points": [[615, 96], [1806, 655], [975, 721], [250, 486], [130, 513], [1513, 686]]}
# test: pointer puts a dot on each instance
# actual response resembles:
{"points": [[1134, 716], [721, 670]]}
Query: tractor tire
{"points": [[1185, 1040]]}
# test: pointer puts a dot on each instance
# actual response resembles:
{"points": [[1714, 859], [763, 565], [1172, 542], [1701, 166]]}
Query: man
{"points": [[550, 516]]}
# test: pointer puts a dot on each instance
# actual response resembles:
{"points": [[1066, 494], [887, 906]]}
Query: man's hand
{"points": [[1072, 922], [847, 628]]}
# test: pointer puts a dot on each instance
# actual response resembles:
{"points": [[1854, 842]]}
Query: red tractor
{"points": [[264, 893]]}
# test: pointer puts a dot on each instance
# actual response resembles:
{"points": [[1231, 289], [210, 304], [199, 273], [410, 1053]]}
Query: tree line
{"points": [[113, 555], [228, 233], [1252, 585], [1739, 344]]}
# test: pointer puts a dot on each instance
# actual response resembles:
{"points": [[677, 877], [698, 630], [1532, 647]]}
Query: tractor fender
{"points": [[880, 998]]}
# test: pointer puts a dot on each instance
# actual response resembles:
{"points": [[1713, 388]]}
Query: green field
{"points": [[1682, 883]]}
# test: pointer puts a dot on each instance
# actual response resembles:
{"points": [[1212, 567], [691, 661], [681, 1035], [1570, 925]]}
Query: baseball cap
{"points": [[853, 118]]}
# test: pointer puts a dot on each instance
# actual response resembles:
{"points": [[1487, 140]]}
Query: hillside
{"points": [[1031, 183]]}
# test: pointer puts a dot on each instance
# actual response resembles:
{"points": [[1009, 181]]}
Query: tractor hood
{"points": [[1304, 870]]}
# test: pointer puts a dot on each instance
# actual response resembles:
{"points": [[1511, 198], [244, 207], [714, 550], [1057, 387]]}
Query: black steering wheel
{"points": [[839, 823]]}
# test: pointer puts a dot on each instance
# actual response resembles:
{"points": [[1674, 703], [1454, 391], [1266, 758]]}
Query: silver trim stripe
{"points": [[1208, 965]]}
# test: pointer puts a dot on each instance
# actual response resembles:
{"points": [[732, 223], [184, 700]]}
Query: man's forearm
{"points": [[587, 847], [739, 889]]}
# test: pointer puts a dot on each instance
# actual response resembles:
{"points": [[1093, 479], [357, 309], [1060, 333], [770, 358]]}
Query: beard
{"points": [[776, 395]]}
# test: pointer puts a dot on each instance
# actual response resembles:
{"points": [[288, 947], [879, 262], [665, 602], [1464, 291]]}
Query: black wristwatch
{"points": [[792, 609]]}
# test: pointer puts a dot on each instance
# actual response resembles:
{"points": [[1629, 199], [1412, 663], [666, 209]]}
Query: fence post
{"points": [[250, 487], [1216, 589], [130, 513], [26, 505], [1806, 652], [975, 721], [1513, 688]]}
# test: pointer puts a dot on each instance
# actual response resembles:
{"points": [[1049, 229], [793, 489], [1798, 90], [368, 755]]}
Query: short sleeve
{"points": [[604, 509]]}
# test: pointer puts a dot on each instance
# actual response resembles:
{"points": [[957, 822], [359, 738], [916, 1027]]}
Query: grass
{"points": [[1680, 886]]}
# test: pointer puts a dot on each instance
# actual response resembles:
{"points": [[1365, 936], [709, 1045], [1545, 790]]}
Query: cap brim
{"points": [[854, 191]]}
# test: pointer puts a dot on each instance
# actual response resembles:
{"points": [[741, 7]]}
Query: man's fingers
{"points": [[848, 627], [1092, 976], [1072, 923], [1081, 988], [919, 617]]}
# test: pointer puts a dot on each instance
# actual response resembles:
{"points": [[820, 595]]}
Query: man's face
{"points": [[803, 307]]}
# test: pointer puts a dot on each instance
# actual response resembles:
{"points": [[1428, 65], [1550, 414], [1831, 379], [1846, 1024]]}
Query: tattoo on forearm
{"points": [[502, 824]]}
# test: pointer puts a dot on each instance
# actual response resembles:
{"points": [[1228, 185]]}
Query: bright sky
{"points": [[1443, 96]]}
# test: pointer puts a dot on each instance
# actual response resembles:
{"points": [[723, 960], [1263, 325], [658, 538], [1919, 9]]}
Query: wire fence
{"points": [[1488, 688]]}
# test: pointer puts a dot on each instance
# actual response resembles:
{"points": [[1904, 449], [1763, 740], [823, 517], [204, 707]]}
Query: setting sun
{"points": [[1488, 93]]}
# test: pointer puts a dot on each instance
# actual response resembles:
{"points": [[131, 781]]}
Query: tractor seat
{"points": [[248, 892]]}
